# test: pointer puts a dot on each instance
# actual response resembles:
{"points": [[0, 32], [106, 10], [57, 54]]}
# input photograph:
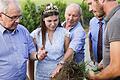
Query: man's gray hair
{"points": [[76, 6], [5, 3]]}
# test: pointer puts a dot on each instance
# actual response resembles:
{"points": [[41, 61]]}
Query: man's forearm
{"points": [[107, 73], [68, 54]]}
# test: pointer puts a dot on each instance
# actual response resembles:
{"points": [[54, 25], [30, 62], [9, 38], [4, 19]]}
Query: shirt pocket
{"points": [[23, 50]]}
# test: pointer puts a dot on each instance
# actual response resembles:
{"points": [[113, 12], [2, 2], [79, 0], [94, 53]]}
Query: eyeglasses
{"points": [[13, 17]]}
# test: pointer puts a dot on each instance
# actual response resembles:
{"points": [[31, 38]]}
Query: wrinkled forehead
{"points": [[73, 9], [91, 2]]}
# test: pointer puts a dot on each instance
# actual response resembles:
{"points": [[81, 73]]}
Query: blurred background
{"points": [[32, 10]]}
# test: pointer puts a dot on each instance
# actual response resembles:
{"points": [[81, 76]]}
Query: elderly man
{"points": [[111, 52], [16, 43], [73, 14]]}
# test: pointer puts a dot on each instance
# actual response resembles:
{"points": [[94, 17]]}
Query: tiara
{"points": [[50, 8]]}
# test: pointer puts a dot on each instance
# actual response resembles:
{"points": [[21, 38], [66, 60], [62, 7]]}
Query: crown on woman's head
{"points": [[50, 8]]}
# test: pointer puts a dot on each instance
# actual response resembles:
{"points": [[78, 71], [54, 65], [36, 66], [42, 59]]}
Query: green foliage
{"points": [[118, 1], [61, 6], [31, 16], [86, 14], [31, 13]]}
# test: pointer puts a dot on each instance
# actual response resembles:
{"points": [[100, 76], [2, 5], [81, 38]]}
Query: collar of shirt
{"points": [[113, 11], [3, 30]]}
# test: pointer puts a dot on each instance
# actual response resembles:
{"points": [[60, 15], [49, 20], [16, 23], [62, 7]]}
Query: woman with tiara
{"points": [[55, 40]]}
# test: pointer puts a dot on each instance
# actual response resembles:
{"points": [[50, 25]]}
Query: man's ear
{"points": [[0, 14]]}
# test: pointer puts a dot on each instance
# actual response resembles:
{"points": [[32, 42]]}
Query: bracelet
{"points": [[37, 56], [61, 63]]}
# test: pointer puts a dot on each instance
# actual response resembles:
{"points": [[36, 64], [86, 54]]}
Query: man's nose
{"points": [[90, 8], [71, 17], [17, 20]]}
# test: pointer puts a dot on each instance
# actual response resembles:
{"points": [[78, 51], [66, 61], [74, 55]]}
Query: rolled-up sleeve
{"points": [[77, 40]]}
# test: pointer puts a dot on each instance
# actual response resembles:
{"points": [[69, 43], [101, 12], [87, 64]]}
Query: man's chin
{"points": [[15, 25]]}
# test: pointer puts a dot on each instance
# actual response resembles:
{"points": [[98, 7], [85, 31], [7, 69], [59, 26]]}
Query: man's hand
{"points": [[91, 75], [100, 66]]}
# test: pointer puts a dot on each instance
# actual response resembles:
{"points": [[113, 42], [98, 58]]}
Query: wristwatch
{"points": [[37, 56]]}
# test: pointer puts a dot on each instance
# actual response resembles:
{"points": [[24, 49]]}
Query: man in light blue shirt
{"points": [[16, 44], [93, 37], [77, 34]]}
